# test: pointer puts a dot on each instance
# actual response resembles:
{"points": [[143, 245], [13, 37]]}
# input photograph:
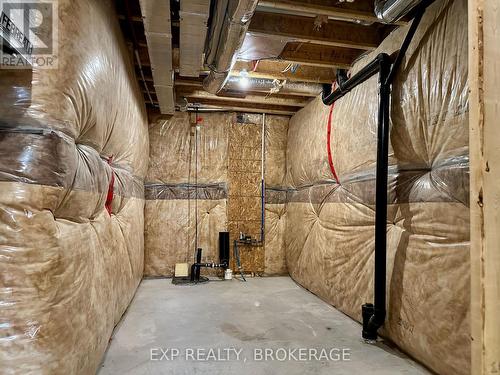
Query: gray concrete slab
{"points": [[227, 327]]}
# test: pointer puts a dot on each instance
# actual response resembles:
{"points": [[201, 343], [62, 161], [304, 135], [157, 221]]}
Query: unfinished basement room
{"points": [[249, 187]]}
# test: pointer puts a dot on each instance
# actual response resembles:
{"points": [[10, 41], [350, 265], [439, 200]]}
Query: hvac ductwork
{"points": [[193, 32], [229, 24], [390, 11], [156, 16], [274, 86]]}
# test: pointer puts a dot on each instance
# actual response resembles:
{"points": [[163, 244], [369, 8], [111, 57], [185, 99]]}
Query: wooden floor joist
{"points": [[304, 29], [274, 69], [321, 56], [312, 54], [347, 12], [247, 99]]}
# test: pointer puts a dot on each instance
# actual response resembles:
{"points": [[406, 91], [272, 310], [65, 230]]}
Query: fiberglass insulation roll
{"points": [[330, 227], [70, 256]]}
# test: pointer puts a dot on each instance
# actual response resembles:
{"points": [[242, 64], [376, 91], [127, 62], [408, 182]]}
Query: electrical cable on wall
{"points": [[328, 140]]}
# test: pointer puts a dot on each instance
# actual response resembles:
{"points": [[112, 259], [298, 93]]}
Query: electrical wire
{"points": [[328, 142]]}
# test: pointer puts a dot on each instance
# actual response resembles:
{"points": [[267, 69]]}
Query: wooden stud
{"points": [[484, 106]]}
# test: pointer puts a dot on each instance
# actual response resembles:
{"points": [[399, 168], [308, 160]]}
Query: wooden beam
{"points": [[227, 107], [360, 12], [273, 69], [246, 109], [199, 84], [121, 17], [226, 101], [186, 82], [246, 98], [302, 29], [321, 56], [484, 143], [334, 11]]}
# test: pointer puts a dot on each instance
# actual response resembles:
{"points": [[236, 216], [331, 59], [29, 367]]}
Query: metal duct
{"points": [[230, 21], [275, 86], [157, 28], [390, 11], [193, 32]]}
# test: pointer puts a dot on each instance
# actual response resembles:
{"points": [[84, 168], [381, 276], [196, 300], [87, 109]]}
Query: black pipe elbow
{"points": [[373, 319], [327, 90]]}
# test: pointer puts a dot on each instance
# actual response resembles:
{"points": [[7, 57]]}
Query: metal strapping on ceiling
{"points": [[193, 32], [157, 28]]}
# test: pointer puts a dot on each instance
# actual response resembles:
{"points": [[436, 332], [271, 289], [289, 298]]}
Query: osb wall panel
{"points": [[244, 198]]}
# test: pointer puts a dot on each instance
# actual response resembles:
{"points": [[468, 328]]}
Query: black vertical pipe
{"points": [[198, 261], [224, 248], [374, 314], [195, 267], [377, 318]]}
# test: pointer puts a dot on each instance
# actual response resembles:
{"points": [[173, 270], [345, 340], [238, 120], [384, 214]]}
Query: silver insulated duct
{"points": [[230, 21], [274, 86], [390, 11]]}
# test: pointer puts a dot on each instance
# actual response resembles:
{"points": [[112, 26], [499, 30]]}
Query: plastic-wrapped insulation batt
{"points": [[330, 227], [73, 140]]}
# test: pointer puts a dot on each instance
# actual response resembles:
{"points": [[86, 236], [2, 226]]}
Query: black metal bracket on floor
{"points": [[374, 314]]}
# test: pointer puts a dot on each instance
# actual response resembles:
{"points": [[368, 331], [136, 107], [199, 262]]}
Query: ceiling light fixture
{"points": [[244, 81]]}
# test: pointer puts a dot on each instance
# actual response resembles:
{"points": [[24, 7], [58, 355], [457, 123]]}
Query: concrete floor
{"points": [[242, 320]]}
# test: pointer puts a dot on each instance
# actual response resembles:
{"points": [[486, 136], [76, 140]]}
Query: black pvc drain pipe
{"points": [[374, 314]]}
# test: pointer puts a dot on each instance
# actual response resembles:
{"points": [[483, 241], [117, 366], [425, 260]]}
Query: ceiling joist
{"points": [[314, 48], [245, 107], [321, 56], [246, 98], [278, 69], [180, 82], [362, 12], [304, 29]]}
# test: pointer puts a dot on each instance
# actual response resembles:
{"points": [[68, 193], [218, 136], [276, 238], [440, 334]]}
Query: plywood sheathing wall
{"points": [[244, 199], [170, 213], [69, 268], [329, 232], [484, 54]]}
